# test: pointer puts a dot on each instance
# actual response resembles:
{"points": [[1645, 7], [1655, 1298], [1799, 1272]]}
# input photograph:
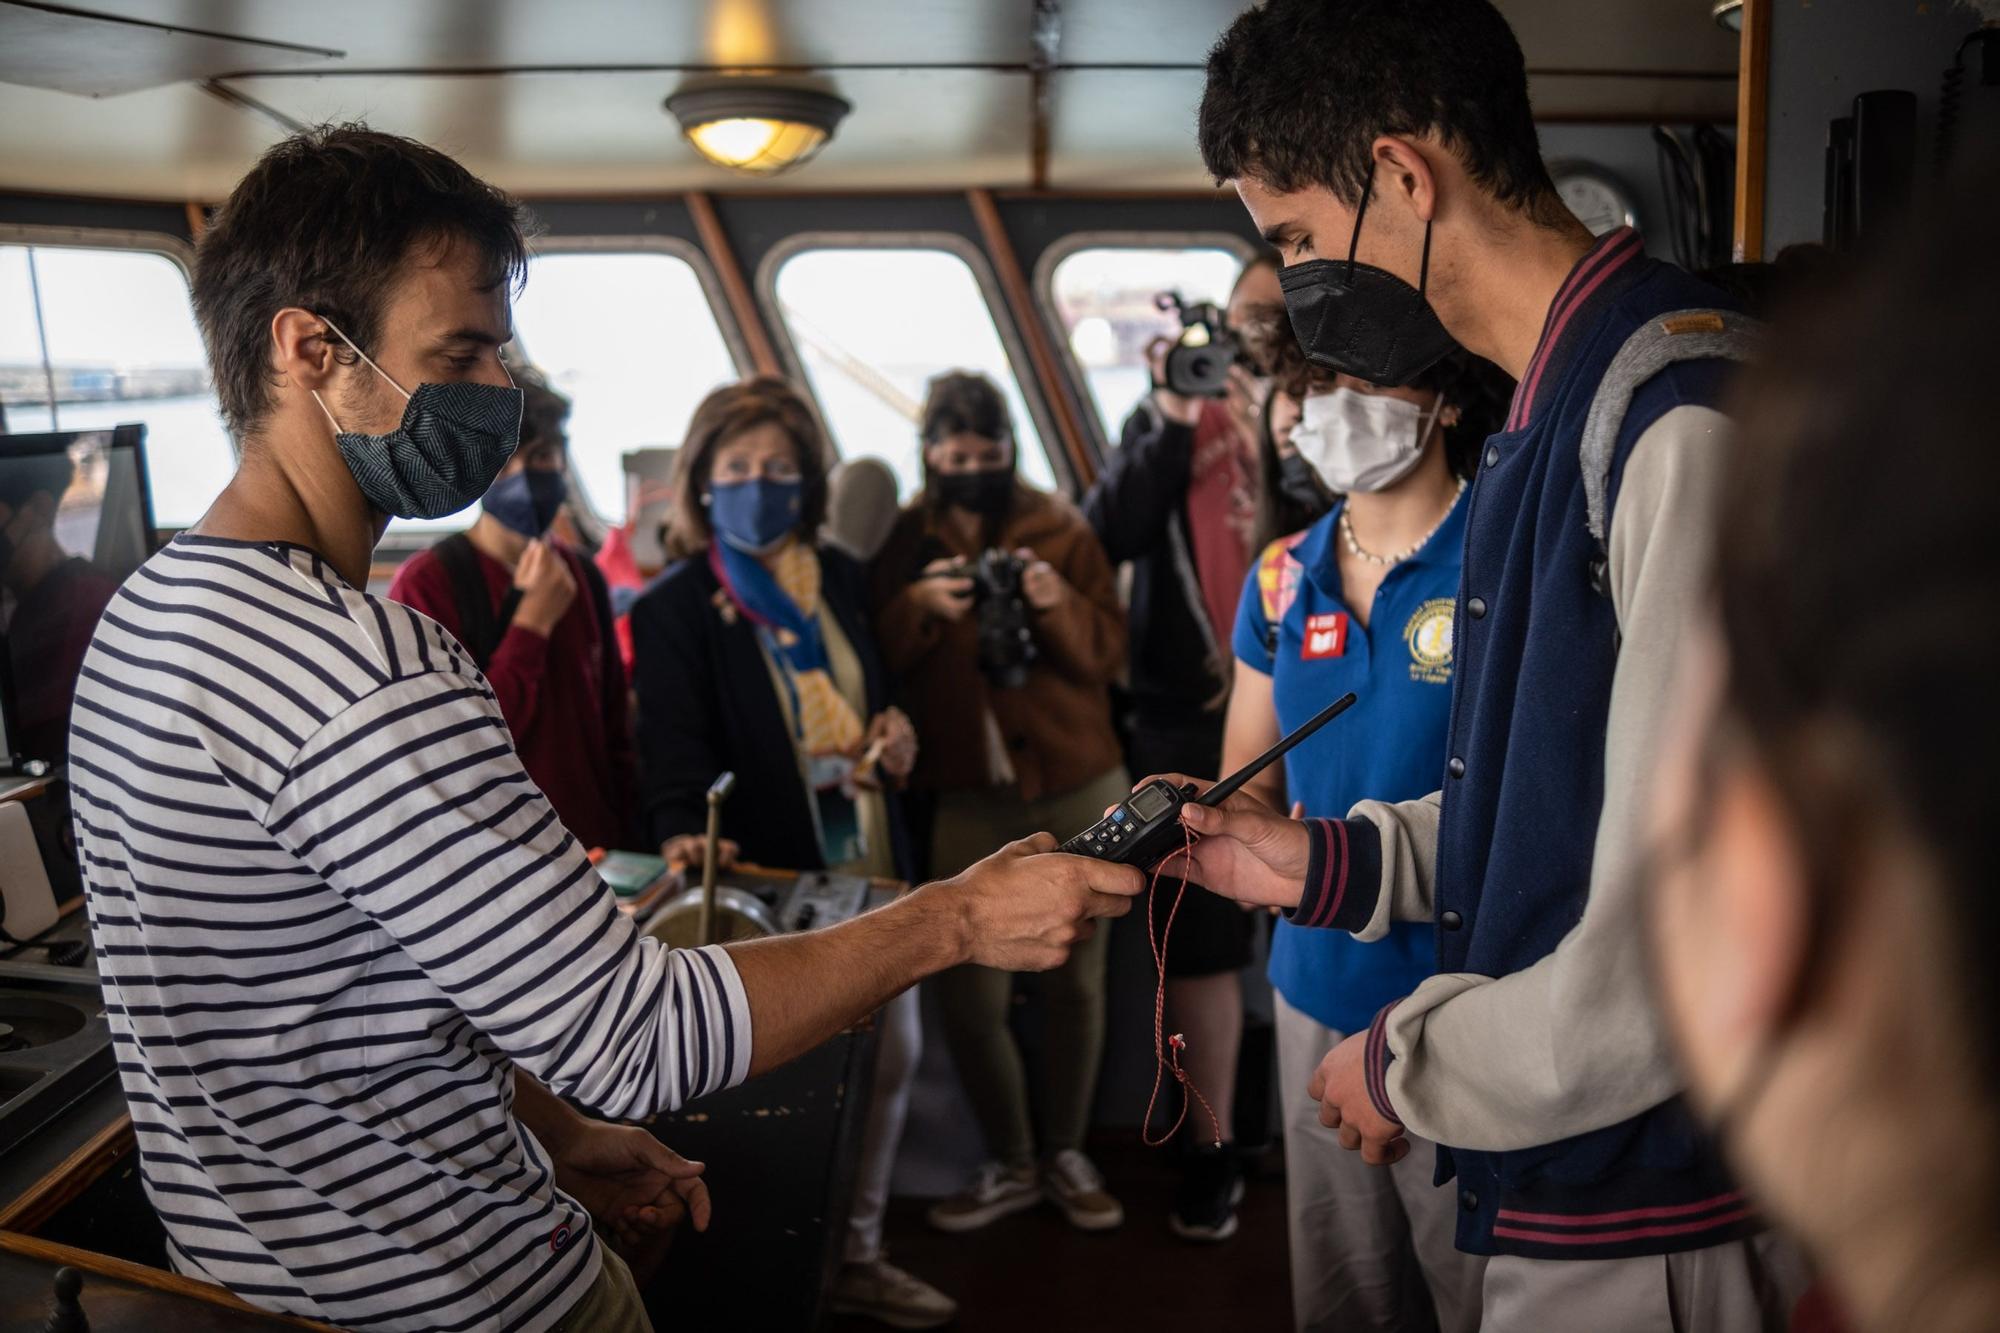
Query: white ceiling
{"points": [[602, 130]]}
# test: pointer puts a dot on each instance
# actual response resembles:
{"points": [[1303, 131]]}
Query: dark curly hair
{"points": [[325, 221], [1298, 90]]}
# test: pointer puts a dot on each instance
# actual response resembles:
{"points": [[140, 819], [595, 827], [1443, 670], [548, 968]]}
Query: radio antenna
{"points": [[1226, 788]]}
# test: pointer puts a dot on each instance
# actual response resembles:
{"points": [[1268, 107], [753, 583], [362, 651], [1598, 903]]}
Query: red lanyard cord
{"points": [[1167, 1049]]}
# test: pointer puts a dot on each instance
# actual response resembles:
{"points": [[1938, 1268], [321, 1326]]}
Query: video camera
{"points": [[1198, 365]]}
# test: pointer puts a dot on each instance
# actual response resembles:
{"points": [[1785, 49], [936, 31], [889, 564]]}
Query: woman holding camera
{"points": [[995, 607], [753, 654]]}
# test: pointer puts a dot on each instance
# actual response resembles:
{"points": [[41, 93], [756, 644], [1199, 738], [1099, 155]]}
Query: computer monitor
{"points": [[75, 521]]}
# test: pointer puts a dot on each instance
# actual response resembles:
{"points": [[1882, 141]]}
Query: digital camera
{"points": [[1006, 643]]}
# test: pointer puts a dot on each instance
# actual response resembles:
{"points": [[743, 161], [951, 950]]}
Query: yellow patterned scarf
{"points": [[828, 723]]}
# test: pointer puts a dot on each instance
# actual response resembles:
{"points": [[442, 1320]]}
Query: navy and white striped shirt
{"points": [[331, 913]]}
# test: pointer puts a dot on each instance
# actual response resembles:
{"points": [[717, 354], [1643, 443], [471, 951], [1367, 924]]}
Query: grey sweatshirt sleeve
{"points": [[1574, 1043]]}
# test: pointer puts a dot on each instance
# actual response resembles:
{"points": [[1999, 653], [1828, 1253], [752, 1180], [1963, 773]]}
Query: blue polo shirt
{"points": [[1293, 625]]}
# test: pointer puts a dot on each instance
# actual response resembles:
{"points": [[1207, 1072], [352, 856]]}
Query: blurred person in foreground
{"points": [[1822, 906], [536, 617], [1362, 600], [753, 654], [995, 607], [1179, 500]]}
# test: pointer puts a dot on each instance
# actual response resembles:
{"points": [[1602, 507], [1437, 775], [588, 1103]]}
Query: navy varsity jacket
{"points": [[1523, 785]]}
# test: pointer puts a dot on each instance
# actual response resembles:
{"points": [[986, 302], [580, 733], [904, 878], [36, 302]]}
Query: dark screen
{"points": [[1150, 804]]}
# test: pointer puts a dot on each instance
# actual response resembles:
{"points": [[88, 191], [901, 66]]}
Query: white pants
{"points": [[1367, 1241], [1746, 1286], [901, 1036]]}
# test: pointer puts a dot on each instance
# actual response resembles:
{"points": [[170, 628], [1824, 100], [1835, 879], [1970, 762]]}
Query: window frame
{"points": [[1044, 287], [174, 249], [1011, 344], [679, 248]]}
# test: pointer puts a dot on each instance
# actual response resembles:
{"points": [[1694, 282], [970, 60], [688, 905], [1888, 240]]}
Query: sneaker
{"points": [[885, 1293], [997, 1191], [1211, 1187], [1072, 1184]]}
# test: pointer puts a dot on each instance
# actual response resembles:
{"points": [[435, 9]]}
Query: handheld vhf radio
{"points": [[1146, 826]]}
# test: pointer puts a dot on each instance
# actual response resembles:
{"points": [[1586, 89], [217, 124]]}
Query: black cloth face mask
{"points": [[1361, 320], [988, 493]]}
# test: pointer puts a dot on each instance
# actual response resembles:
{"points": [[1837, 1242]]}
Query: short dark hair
{"points": [[324, 222], [1299, 89], [961, 402], [722, 416]]}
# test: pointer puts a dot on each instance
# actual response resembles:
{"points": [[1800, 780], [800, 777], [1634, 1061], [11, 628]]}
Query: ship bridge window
{"points": [[869, 325], [1104, 295], [94, 337]]}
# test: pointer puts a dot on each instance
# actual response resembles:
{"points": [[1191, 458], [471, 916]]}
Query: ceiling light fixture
{"points": [[1728, 15], [755, 128]]}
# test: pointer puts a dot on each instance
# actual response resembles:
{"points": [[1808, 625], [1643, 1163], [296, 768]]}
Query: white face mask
{"points": [[1362, 441]]}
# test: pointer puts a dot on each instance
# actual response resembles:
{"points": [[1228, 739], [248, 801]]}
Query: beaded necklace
{"points": [[1354, 547]]}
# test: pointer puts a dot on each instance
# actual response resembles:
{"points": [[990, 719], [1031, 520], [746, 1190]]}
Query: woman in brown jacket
{"points": [[1015, 724]]}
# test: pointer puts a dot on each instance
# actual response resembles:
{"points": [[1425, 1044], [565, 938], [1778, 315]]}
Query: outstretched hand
{"points": [[1027, 906], [1244, 850]]}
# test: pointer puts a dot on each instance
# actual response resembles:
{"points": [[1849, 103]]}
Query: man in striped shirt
{"points": [[348, 950]]}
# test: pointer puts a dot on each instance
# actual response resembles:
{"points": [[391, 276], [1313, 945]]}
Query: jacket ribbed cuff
{"points": [[1375, 1058], [1343, 875]]}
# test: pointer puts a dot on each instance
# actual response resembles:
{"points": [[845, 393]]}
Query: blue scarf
{"points": [[757, 594]]}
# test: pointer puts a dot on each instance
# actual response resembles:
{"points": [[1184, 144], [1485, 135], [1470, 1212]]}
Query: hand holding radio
{"points": [[1023, 910], [1244, 850]]}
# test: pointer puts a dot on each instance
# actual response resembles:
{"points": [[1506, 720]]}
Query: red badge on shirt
{"points": [[1326, 636]]}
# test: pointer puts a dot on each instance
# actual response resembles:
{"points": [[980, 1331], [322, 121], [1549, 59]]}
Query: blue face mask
{"points": [[527, 502], [451, 444], [755, 516]]}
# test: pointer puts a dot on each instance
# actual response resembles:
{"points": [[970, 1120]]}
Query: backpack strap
{"points": [[480, 627], [1681, 335]]}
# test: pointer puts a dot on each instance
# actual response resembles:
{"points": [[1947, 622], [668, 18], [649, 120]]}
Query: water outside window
{"points": [[872, 326], [1105, 298], [119, 336]]}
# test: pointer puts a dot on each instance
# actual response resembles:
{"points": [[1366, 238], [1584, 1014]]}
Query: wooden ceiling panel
{"points": [[1147, 32], [96, 56], [1629, 35], [1125, 130], [603, 131], [481, 34], [533, 133], [175, 142]]}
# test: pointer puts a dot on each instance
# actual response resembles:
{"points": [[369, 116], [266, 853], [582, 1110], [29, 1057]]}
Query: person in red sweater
{"points": [[510, 594]]}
